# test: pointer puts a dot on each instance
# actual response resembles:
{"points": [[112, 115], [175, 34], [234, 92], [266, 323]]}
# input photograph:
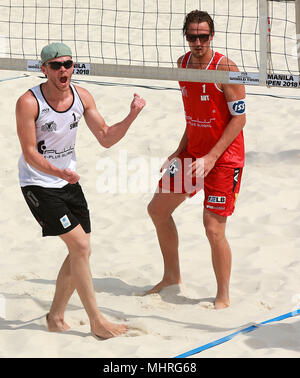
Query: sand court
{"points": [[264, 234]]}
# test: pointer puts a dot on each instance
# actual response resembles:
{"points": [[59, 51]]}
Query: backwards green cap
{"points": [[55, 50]]}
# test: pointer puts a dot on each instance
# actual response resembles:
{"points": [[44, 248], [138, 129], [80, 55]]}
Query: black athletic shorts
{"points": [[58, 210]]}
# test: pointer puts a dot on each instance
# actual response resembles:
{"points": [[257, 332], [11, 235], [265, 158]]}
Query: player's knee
{"points": [[83, 251], [214, 234], [80, 248], [155, 212], [151, 209]]}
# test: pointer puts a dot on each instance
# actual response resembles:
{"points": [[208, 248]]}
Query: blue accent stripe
{"points": [[232, 335]]}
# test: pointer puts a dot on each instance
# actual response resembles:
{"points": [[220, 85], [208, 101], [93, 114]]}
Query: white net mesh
{"points": [[146, 33]]}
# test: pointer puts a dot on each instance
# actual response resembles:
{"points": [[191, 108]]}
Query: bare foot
{"points": [[161, 285], [105, 329], [56, 324], [221, 304]]}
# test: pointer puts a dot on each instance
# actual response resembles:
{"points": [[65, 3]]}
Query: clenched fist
{"points": [[137, 103]]}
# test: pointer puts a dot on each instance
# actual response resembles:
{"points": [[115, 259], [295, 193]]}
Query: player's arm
{"points": [[26, 113], [106, 135], [235, 97]]}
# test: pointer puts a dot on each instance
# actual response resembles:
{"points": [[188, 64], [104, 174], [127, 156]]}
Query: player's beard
{"points": [[201, 56], [200, 52]]}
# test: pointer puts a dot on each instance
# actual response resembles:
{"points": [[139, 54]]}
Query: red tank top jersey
{"points": [[207, 115]]}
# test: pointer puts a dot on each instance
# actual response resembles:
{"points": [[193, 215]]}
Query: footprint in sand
{"points": [[135, 328], [207, 305]]}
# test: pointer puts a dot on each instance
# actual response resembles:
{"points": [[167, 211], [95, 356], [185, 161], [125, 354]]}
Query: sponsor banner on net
{"points": [[82, 69], [251, 78], [279, 80], [273, 79], [33, 65], [79, 68]]}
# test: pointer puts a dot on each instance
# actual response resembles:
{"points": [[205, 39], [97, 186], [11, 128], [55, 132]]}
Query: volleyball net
{"points": [[143, 38]]}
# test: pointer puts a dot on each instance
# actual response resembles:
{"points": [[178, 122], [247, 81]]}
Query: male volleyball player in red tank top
{"points": [[211, 150]]}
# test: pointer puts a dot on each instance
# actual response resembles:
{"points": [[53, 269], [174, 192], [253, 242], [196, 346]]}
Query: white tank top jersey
{"points": [[55, 135]]}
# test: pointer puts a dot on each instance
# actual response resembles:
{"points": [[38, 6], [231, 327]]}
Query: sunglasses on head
{"points": [[57, 65], [194, 37]]}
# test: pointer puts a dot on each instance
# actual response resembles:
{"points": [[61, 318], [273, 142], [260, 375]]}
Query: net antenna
{"points": [[264, 41], [297, 10], [143, 38]]}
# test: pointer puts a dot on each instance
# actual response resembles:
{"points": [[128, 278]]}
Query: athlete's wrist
{"points": [[213, 155], [179, 150]]}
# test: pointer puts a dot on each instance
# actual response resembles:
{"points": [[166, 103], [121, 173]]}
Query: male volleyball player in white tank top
{"points": [[215, 117], [47, 122]]}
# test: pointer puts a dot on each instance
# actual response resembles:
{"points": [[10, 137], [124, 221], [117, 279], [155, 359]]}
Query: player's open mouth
{"points": [[63, 79]]}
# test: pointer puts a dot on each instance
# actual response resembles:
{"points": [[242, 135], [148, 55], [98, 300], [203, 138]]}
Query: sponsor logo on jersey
{"points": [[49, 126], [53, 153], [236, 178], [65, 221], [45, 110], [239, 107], [41, 147], [215, 207], [197, 123], [173, 168], [216, 199]]}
